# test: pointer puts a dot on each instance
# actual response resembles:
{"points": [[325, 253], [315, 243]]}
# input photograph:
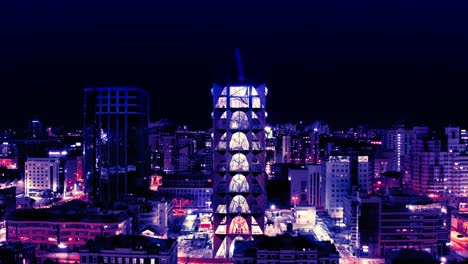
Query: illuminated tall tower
{"points": [[239, 196]]}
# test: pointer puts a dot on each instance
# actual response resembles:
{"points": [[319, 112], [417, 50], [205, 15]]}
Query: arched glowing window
{"points": [[239, 163], [239, 226], [239, 142], [222, 142], [239, 205], [239, 184], [239, 120]]}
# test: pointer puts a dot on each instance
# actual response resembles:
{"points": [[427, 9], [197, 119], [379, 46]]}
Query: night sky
{"points": [[344, 62]]}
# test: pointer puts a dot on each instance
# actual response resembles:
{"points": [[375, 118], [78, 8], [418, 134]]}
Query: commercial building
{"points": [[49, 229], [399, 221], [41, 174], [129, 249], [116, 142], [303, 249], [239, 195]]}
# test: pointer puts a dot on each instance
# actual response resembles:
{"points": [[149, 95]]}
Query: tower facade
{"points": [[115, 142], [239, 196]]}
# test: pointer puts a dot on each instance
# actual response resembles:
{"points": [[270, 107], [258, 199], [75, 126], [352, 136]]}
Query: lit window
{"points": [[239, 163], [239, 120], [239, 184], [239, 226], [239, 141], [239, 205]]}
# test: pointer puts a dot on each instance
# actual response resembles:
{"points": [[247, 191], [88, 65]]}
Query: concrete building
{"points": [[239, 194], [49, 229], [337, 183], [41, 174], [197, 189], [400, 221], [305, 184], [129, 249], [116, 142], [286, 249]]}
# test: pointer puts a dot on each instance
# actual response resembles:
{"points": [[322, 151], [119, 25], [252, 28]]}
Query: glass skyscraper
{"points": [[115, 142]]}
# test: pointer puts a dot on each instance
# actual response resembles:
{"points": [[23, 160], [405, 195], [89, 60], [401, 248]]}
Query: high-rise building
{"points": [[116, 142], [239, 196], [337, 182]]}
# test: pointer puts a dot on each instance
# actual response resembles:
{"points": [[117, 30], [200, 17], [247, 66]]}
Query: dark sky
{"points": [[344, 62]]}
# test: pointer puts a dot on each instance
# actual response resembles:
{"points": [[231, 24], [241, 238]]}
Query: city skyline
{"points": [[375, 63]]}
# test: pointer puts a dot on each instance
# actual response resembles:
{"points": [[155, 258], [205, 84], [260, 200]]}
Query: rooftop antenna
{"points": [[241, 76]]}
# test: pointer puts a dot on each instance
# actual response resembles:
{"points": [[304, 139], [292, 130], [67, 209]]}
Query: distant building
{"points": [[41, 174], [156, 213], [400, 221], [337, 182], [116, 142], [285, 249], [7, 200], [69, 228], [409, 256], [197, 189], [129, 249], [305, 184], [17, 253]]}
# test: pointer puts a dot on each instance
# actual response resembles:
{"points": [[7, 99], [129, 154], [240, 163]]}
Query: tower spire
{"points": [[241, 76]]}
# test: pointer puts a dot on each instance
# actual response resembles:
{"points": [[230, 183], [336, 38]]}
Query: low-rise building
{"points": [[62, 227], [129, 249], [302, 249]]}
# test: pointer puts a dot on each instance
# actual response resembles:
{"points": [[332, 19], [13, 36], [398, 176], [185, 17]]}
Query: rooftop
{"points": [[137, 243], [282, 242]]}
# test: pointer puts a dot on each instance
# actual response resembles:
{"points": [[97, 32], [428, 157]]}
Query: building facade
{"points": [[337, 177], [49, 229], [116, 142], [41, 174], [239, 195], [302, 249], [130, 249]]}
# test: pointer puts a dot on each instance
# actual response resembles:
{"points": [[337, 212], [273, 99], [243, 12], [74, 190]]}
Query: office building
{"points": [[116, 142], [41, 174], [239, 195], [286, 249], [71, 228], [129, 249]]}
